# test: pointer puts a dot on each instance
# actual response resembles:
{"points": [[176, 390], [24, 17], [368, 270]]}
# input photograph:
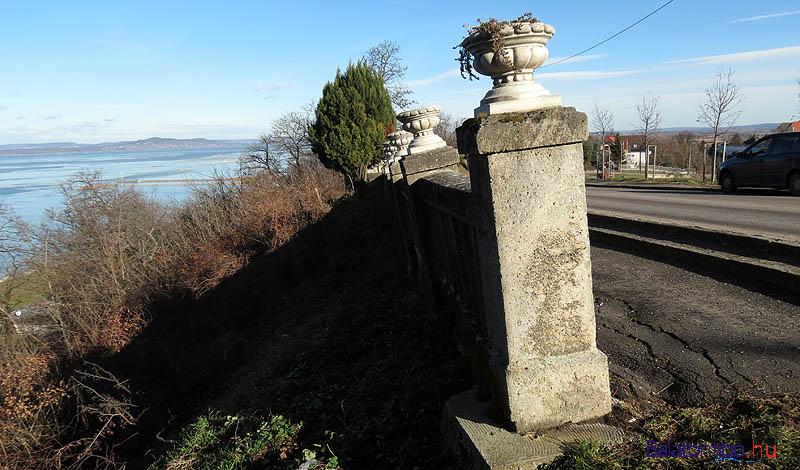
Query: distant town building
{"points": [[789, 127]]}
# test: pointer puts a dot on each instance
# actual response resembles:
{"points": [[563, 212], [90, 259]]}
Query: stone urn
{"points": [[400, 141], [389, 151], [421, 122], [511, 68]]}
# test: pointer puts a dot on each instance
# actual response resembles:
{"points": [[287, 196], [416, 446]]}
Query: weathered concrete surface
{"points": [[417, 164], [395, 172], [472, 435], [687, 338], [519, 131], [535, 266]]}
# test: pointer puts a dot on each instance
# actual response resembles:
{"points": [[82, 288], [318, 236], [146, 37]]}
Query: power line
{"points": [[610, 38]]}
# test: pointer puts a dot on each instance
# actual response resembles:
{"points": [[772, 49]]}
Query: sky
{"points": [[104, 71]]}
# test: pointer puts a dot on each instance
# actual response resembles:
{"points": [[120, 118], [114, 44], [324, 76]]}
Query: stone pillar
{"points": [[527, 177], [427, 151], [399, 142]]}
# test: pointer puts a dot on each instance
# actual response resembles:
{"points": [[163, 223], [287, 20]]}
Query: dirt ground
{"points": [[687, 338], [329, 331]]}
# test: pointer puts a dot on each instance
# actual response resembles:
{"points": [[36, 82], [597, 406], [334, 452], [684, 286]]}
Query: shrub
{"points": [[351, 121], [101, 260]]}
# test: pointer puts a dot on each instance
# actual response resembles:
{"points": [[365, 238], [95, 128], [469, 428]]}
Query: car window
{"points": [[783, 144], [796, 146], [762, 146]]}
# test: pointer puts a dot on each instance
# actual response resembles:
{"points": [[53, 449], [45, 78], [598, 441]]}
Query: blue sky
{"points": [[100, 71]]}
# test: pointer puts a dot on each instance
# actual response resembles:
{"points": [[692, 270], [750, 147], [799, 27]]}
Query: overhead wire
{"points": [[610, 37]]}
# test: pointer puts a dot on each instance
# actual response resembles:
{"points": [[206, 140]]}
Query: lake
{"points": [[29, 184]]}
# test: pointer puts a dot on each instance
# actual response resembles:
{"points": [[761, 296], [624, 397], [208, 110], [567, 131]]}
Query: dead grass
{"points": [[102, 259]]}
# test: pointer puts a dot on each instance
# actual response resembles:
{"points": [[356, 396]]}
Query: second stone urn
{"points": [[511, 67], [421, 122], [400, 141]]}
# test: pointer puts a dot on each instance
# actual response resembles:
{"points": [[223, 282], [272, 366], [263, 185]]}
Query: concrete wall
{"points": [[506, 248]]}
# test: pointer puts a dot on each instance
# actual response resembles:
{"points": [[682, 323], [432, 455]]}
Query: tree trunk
{"points": [[714, 158]]}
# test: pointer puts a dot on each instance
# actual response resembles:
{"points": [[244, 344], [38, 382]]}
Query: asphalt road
{"points": [[687, 338], [768, 213]]}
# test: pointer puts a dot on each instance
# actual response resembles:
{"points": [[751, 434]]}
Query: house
{"points": [[634, 151], [788, 127]]}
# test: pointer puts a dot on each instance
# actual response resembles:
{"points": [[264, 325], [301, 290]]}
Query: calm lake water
{"points": [[30, 183]]}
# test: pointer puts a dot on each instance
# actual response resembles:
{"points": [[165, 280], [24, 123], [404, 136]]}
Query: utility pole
{"points": [[689, 166], [705, 146], [647, 155], [655, 154]]}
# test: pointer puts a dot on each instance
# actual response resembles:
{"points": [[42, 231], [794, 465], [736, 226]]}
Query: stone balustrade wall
{"points": [[506, 247]]}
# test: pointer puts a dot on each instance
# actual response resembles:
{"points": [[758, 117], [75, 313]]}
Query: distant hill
{"points": [[153, 143], [745, 129]]}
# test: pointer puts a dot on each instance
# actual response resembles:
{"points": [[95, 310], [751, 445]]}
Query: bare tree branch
{"points": [[15, 250], [603, 122], [386, 61], [721, 108], [289, 135], [798, 98], [649, 112], [446, 129], [259, 156]]}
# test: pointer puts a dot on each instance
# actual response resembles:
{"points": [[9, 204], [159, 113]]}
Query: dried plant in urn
{"points": [[508, 51]]}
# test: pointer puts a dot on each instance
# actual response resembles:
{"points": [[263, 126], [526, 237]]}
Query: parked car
{"points": [[772, 161]]}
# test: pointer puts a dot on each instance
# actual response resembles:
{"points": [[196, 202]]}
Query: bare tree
{"points": [[15, 248], [446, 129], [685, 139], [798, 98], [386, 61], [289, 135], [285, 143], [259, 156], [721, 108], [649, 112], [603, 122]]}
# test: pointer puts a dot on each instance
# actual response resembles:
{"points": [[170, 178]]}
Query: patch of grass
{"points": [[592, 455], [745, 420], [224, 442], [29, 287]]}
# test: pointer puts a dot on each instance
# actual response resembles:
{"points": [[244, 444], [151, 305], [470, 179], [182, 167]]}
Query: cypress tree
{"points": [[351, 121]]}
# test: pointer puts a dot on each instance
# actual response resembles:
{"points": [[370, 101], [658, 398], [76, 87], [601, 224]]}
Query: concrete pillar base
{"points": [[550, 391], [480, 443]]}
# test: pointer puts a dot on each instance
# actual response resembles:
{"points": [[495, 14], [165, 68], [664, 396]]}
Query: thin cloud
{"points": [[2, 108], [258, 88], [584, 74], [782, 52], [269, 97], [52, 117], [20, 117], [433, 79], [764, 17], [78, 128], [278, 86], [575, 60], [109, 119]]}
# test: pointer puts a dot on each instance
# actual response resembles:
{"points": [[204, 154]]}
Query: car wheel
{"points": [[794, 184], [727, 183]]}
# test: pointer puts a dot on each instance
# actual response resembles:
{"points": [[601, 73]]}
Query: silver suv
{"points": [[772, 161]]}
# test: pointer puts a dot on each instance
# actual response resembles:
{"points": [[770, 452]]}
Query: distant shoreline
{"points": [[153, 143]]}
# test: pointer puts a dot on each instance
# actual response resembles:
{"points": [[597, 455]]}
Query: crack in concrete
{"points": [[675, 378], [702, 352]]}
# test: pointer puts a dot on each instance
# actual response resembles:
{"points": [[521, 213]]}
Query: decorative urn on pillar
{"points": [[400, 141], [509, 51], [421, 122]]}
